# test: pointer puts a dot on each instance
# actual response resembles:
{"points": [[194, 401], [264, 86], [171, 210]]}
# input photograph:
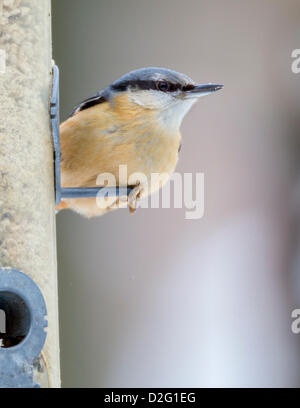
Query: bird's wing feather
{"points": [[99, 97]]}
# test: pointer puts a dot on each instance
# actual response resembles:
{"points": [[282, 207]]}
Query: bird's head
{"points": [[169, 94]]}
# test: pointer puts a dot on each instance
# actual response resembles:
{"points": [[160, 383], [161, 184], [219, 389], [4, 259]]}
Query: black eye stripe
{"points": [[188, 87], [123, 86], [154, 85]]}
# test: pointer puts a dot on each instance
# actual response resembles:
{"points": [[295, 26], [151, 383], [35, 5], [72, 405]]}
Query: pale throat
{"points": [[168, 110], [171, 118]]}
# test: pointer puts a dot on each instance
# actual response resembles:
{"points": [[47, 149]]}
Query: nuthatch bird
{"points": [[133, 122]]}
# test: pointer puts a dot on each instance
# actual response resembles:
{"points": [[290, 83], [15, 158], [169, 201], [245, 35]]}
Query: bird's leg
{"points": [[134, 197]]}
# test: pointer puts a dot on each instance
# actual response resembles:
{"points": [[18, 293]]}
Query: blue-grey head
{"points": [[169, 93]]}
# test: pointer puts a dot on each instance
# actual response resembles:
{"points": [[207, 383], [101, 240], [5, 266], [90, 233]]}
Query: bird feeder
{"points": [[29, 337]]}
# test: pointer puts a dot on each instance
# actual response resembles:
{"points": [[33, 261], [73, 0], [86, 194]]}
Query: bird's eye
{"points": [[163, 86]]}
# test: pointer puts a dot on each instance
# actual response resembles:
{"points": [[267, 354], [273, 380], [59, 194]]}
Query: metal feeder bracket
{"points": [[78, 192]]}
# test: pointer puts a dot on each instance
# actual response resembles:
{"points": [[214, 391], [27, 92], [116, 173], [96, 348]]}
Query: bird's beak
{"points": [[202, 90]]}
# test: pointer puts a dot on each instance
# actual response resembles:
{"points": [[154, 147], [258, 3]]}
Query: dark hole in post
{"points": [[17, 319]]}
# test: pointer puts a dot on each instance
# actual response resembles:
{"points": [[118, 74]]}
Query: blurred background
{"points": [[157, 300]]}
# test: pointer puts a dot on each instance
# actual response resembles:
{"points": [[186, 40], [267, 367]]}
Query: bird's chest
{"points": [[156, 152]]}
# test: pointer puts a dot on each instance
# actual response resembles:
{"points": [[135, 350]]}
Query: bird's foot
{"points": [[134, 198]]}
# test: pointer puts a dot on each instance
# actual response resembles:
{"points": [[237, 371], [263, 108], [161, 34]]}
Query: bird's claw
{"points": [[134, 198]]}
